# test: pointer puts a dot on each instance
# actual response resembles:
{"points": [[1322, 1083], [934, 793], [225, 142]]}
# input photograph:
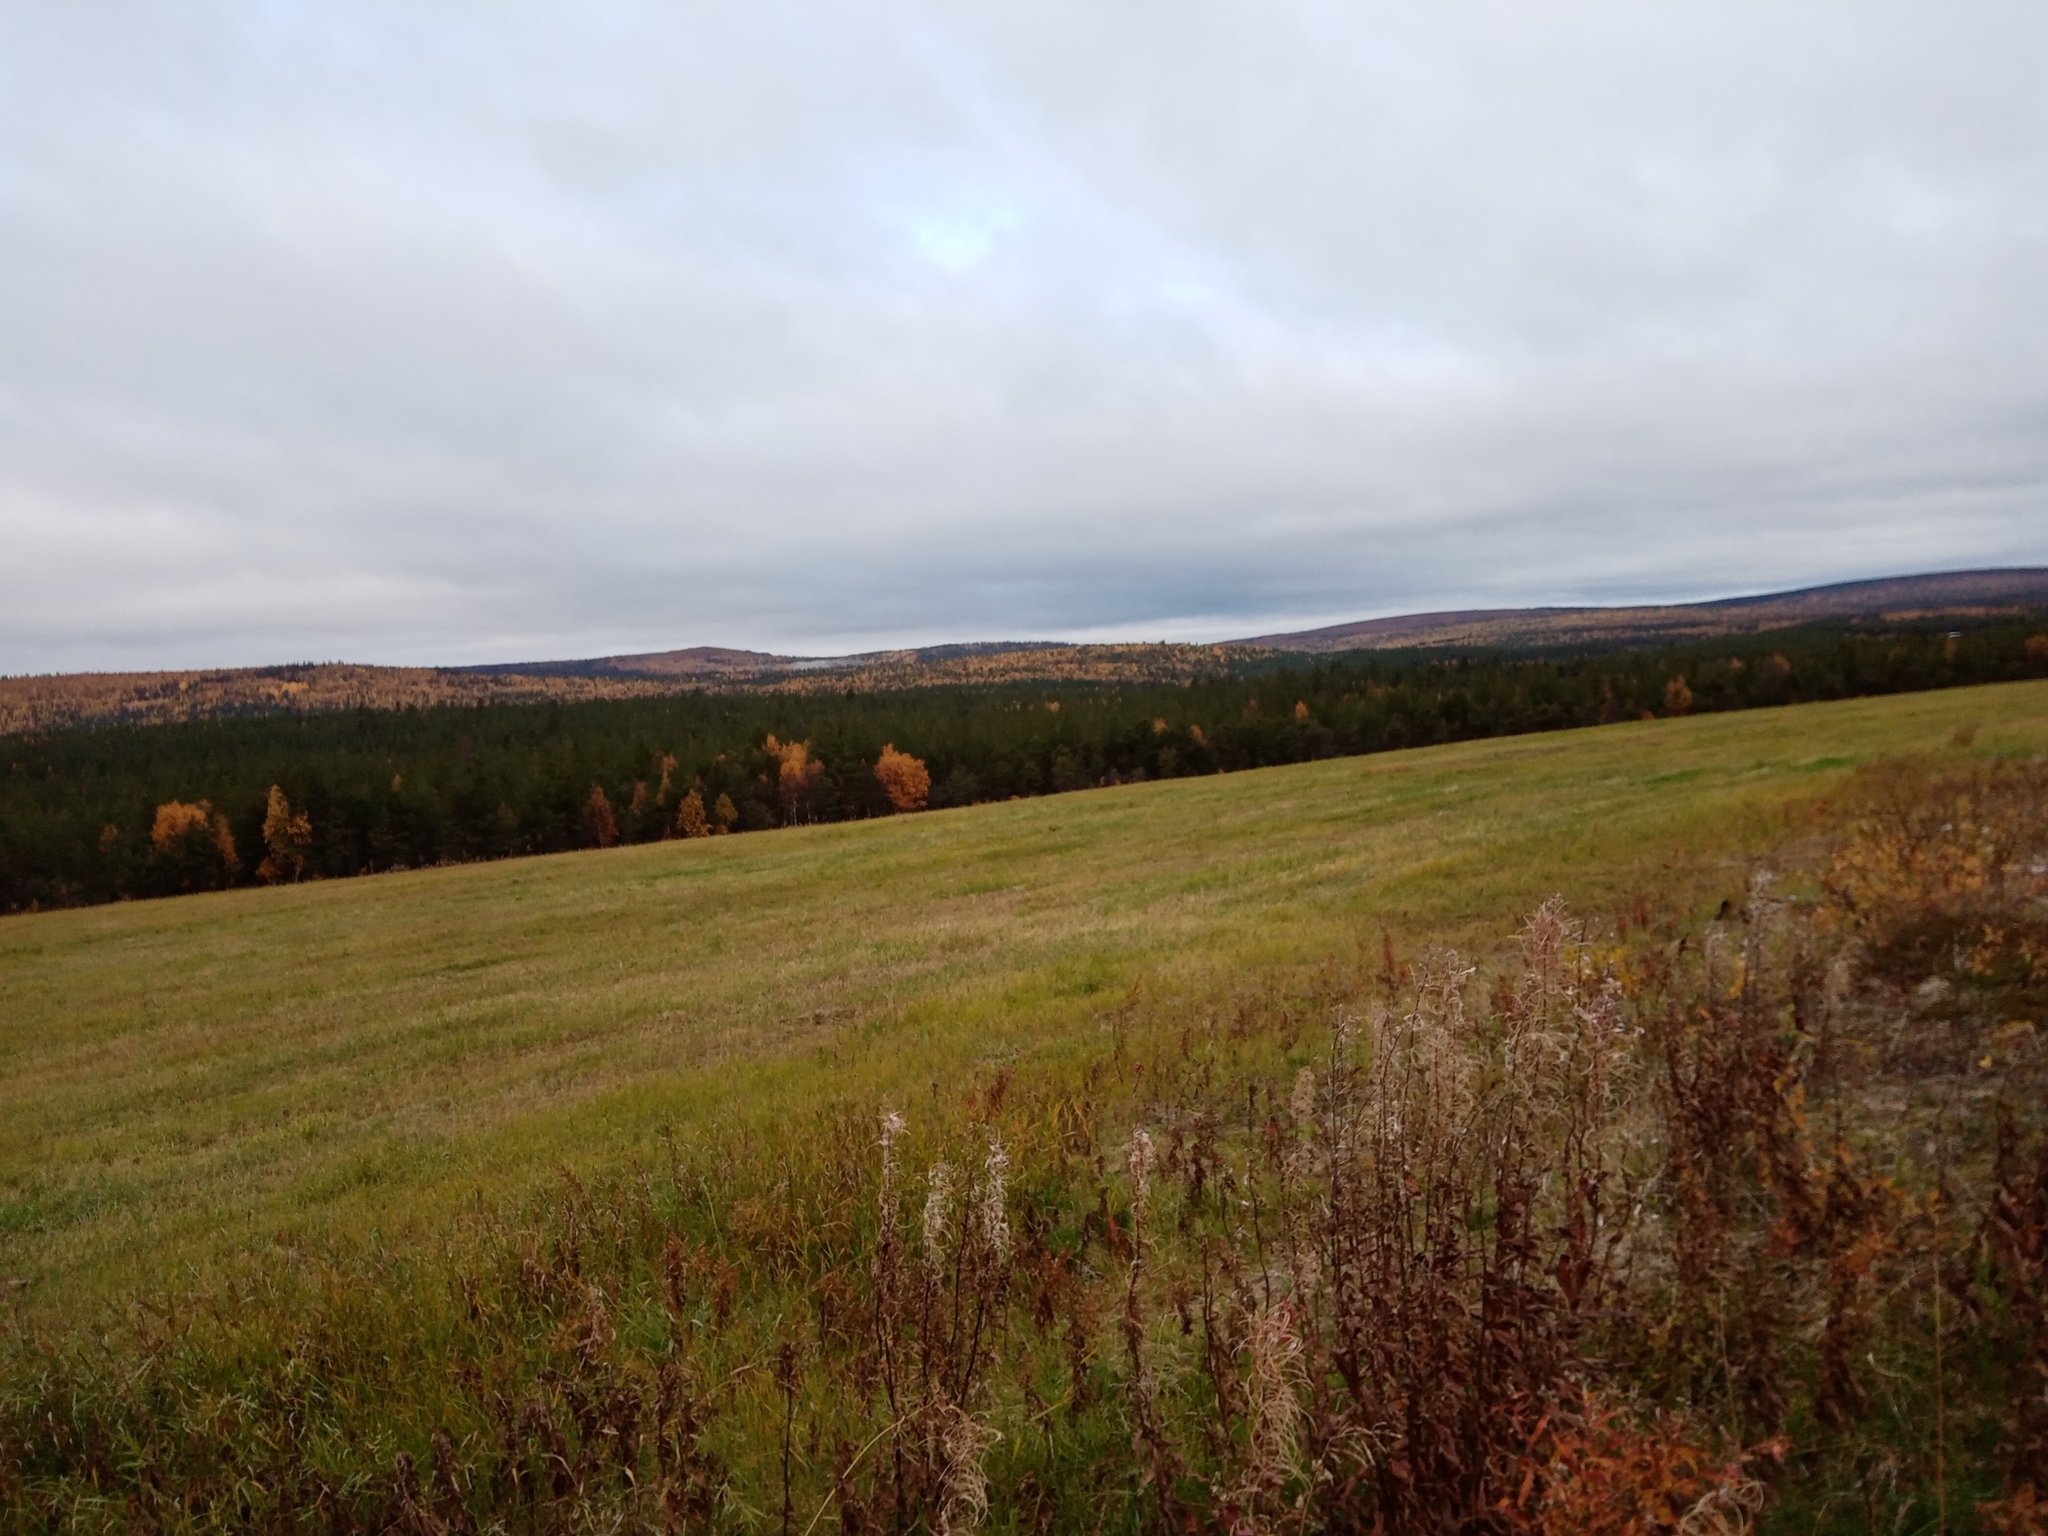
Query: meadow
{"points": [[225, 1116]]}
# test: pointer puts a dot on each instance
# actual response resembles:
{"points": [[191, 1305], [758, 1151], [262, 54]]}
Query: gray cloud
{"points": [[475, 332]]}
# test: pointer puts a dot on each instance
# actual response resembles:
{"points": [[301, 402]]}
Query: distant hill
{"points": [[711, 662], [707, 661], [48, 702], [138, 698], [1892, 599]]}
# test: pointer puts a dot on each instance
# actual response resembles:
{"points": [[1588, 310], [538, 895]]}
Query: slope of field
{"points": [[181, 1080]]}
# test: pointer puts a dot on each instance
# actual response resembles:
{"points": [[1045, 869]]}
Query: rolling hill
{"points": [[1894, 599], [48, 702]]}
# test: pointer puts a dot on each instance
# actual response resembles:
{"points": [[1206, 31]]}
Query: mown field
{"points": [[178, 1077], [189, 1085]]}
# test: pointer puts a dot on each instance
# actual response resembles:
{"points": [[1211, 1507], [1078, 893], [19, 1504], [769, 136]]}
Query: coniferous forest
{"points": [[108, 813]]}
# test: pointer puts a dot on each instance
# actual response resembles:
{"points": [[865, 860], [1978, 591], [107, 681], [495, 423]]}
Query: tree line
{"points": [[106, 813]]}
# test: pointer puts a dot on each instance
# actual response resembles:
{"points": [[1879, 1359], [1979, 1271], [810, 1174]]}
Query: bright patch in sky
{"points": [[957, 241]]}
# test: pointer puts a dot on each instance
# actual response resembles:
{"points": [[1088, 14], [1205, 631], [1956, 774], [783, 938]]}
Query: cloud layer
{"points": [[466, 332]]}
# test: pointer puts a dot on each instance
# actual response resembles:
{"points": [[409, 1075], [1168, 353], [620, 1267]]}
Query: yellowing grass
{"points": [[179, 1079]]}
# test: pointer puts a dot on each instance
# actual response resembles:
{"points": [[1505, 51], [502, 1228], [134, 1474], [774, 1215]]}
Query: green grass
{"points": [[180, 1080]]}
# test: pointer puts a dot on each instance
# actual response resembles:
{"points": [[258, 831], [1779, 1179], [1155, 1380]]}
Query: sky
{"points": [[465, 332]]}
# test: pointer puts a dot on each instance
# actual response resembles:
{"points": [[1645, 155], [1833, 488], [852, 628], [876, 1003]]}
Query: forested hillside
{"points": [[100, 814], [156, 698]]}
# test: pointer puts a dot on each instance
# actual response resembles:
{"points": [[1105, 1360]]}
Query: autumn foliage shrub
{"points": [[1945, 881], [1597, 1470], [2014, 1245]]}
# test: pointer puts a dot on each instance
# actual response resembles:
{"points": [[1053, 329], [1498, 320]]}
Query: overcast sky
{"points": [[492, 331]]}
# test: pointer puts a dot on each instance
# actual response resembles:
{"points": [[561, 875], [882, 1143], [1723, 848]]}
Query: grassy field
{"points": [[1131, 1159], [182, 1079]]}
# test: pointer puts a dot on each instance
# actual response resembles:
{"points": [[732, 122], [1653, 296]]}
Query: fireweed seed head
{"points": [[938, 1192], [963, 1480], [1302, 1104], [892, 1130], [1140, 1161], [995, 1221]]}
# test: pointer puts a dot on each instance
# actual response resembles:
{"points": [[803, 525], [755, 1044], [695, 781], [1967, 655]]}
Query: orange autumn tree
{"points": [[191, 847], [690, 818], [797, 780], [600, 826], [904, 779], [174, 818], [176, 821], [286, 837]]}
